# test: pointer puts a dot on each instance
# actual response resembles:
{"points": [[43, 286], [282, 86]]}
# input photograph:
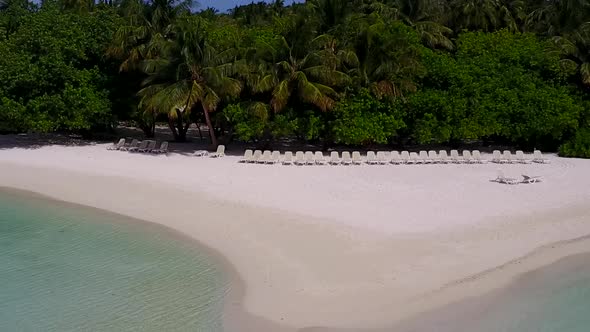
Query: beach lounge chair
{"points": [[356, 158], [346, 159], [163, 148], [424, 157], [201, 153], [139, 147], [455, 158], [405, 157], [497, 156], [309, 158], [288, 160], [433, 156], [133, 145], [275, 157], [247, 156], [443, 157], [538, 157], [117, 146], [334, 158], [319, 158], [502, 179], [507, 157], [265, 157], [299, 158], [396, 158], [371, 158], [256, 156], [414, 158], [477, 157], [531, 179], [382, 157], [219, 153], [521, 158], [149, 147], [467, 157]]}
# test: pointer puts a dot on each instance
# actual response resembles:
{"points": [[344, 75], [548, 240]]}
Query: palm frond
{"points": [[280, 96], [311, 93], [210, 100], [265, 83], [585, 72]]}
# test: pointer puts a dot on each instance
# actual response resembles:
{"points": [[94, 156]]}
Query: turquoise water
{"points": [[555, 298], [67, 268]]}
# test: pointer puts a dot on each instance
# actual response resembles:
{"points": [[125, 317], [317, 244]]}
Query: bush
{"points": [[248, 121], [578, 146], [363, 119]]}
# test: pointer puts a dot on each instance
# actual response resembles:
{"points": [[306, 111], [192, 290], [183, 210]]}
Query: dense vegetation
{"points": [[355, 72]]}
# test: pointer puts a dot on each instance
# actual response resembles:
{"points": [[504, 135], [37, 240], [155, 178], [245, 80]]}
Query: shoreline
{"points": [[235, 288], [286, 259], [471, 287]]}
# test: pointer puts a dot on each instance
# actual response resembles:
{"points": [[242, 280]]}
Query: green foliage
{"points": [[578, 146], [252, 121], [356, 72], [363, 119], [13, 116], [248, 123], [499, 84], [310, 126], [50, 71]]}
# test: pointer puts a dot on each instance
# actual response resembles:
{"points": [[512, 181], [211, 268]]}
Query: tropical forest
{"points": [[326, 72]]}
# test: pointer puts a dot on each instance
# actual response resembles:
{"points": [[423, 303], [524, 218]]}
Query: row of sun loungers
{"points": [[147, 146], [506, 157], [383, 158]]}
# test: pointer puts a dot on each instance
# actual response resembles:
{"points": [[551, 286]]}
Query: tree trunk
{"points": [[148, 131], [149, 127], [180, 127], [211, 131], [172, 128], [199, 129], [185, 129]]}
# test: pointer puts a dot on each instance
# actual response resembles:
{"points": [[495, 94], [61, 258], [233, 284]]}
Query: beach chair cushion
{"points": [[247, 156], [371, 158], [288, 159], [319, 158], [346, 158], [356, 158], [299, 158], [396, 158]]}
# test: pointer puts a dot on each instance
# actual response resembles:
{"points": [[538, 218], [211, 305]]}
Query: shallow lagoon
{"points": [[68, 268]]}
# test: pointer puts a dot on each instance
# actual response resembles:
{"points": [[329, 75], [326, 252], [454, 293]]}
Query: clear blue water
{"points": [[555, 298], [67, 268]]}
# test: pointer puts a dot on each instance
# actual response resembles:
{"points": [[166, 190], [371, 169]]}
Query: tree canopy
{"points": [[354, 72]]}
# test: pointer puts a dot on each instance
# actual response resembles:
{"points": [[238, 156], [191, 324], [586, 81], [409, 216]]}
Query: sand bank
{"points": [[356, 247]]}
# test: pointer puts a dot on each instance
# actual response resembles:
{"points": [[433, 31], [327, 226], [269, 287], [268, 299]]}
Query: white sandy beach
{"points": [[323, 246]]}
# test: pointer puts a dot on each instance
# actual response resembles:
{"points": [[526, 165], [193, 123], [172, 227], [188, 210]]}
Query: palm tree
{"points": [[575, 48], [488, 15], [146, 32], [427, 17], [191, 74], [554, 17], [310, 79], [475, 14], [148, 29], [330, 13], [388, 56]]}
